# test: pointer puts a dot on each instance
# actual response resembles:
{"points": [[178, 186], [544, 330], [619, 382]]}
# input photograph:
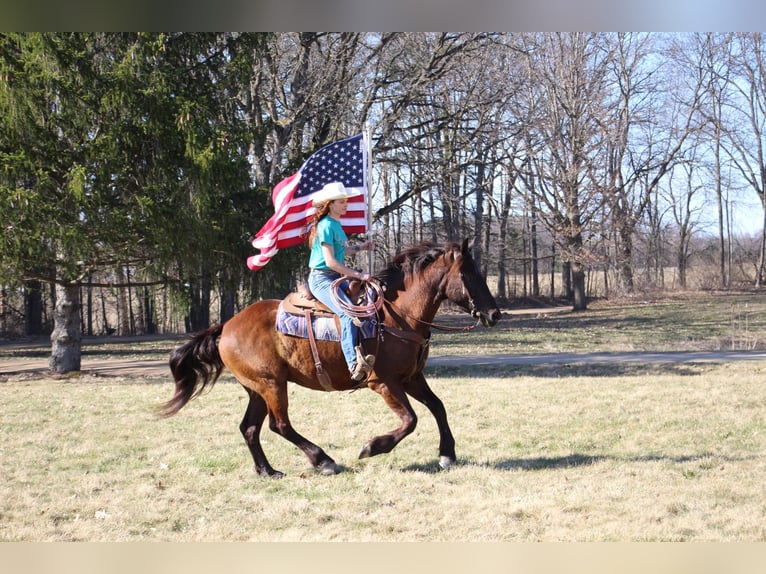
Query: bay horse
{"points": [[263, 360]]}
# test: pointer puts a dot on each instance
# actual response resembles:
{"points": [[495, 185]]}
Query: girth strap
{"points": [[324, 378], [413, 336]]}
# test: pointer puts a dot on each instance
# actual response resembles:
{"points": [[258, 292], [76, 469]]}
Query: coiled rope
{"points": [[373, 299]]}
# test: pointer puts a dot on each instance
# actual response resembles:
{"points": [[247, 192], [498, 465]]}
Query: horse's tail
{"points": [[195, 365]]}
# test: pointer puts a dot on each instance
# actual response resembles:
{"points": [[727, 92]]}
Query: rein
{"points": [[433, 325], [377, 301]]}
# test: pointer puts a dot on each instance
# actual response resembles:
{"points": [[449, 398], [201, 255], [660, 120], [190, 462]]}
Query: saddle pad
{"points": [[324, 327]]}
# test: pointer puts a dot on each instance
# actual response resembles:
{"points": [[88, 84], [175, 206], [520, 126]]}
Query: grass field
{"points": [[566, 453]]}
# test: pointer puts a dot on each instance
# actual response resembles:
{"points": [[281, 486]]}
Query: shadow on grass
{"points": [[570, 461], [563, 370], [547, 462], [538, 463]]}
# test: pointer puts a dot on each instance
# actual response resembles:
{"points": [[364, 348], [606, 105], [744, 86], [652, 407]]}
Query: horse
{"points": [[414, 284]]}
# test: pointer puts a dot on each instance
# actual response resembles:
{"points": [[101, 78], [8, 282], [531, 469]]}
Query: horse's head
{"points": [[466, 288]]}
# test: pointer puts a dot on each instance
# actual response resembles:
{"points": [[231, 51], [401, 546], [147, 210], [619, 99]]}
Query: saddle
{"points": [[300, 301], [302, 304]]}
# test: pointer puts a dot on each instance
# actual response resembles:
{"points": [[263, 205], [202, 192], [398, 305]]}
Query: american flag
{"points": [[344, 161]]}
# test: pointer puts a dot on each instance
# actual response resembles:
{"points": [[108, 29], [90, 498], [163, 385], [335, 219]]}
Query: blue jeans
{"points": [[320, 284]]}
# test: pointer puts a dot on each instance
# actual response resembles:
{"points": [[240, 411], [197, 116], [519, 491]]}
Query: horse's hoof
{"points": [[366, 452], [328, 468], [271, 474], [446, 462]]}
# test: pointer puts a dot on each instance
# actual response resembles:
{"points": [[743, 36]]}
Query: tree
{"points": [[716, 52], [106, 145], [685, 211], [748, 134], [567, 72]]}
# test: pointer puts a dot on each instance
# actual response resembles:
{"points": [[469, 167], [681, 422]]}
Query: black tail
{"points": [[195, 365]]}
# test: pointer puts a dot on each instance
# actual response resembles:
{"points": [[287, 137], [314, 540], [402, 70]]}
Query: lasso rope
{"points": [[374, 299]]}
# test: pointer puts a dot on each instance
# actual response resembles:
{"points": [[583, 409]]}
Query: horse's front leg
{"points": [[397, 401], [418, 389]]}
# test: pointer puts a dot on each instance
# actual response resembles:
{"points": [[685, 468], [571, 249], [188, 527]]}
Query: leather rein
{"points": [[467, 328], [368, 310], [435, 325]]}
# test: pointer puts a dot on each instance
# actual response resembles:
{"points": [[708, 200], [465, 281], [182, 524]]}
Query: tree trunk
{"points": [[65, 339], [89, 310], [478, 220], [762, 255], [227, 299], [502, 292], [553, 272], [533, 248], [719, 202], [199, 312], [625, 258], [681, 258], [566, 280], [105, 329], [579, 300], [33, 308], [123, 313], [150, 326]]}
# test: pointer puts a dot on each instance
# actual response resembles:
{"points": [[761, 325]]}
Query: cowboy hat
{"points": [[333, 191]]}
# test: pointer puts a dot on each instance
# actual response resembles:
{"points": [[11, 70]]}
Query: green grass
{"points": [[699, 321], [647, 454]]}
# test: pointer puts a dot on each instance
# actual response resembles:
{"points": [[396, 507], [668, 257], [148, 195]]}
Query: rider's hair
{"points": [[321, 211]]}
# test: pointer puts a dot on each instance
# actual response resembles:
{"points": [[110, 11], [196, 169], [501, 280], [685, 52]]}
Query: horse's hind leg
{"points": [[250, 427], [419, 390]]}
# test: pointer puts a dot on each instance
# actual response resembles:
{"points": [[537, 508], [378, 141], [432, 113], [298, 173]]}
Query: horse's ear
{"points": [[464, 249]]}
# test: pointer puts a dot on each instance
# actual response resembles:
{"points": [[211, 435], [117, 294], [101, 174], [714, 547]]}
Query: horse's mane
{"points": [[411, 261]]}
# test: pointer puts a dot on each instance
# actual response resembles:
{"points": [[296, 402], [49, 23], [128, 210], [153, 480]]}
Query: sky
{"points": [[392, 15]]}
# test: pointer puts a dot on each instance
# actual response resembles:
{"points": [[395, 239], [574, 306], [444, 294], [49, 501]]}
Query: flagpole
{"points": [[368, 146]]}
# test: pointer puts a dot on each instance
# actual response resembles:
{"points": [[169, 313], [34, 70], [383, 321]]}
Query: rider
{"points": [[328, 243]]}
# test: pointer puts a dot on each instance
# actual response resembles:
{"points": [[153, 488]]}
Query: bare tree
{"points": [[655, 109], [683, 205], [631, 83], [747, 134], [716, 50], [431, 114], [567, 73]]}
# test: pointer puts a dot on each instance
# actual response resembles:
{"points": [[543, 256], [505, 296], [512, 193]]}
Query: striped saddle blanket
{"points": [[325, 328]]}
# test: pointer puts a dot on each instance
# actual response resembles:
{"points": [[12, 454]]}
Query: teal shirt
{"points": [[329, 231]]}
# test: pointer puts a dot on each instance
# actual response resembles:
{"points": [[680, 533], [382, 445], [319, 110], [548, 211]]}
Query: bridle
{"points": [[378, 300], [435, 325], [472, 310]]}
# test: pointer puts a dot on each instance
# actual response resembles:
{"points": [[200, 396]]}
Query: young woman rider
{"points": [[328, 243]]}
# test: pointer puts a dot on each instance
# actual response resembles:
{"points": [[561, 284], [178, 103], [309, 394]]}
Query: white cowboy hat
{"points": [[333, 191]]}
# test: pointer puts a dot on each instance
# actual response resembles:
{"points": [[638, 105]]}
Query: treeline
{"points": [[135, 167]]}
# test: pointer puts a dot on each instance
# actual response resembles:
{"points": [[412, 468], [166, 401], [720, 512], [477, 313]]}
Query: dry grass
{"points": [[647, 453]]}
